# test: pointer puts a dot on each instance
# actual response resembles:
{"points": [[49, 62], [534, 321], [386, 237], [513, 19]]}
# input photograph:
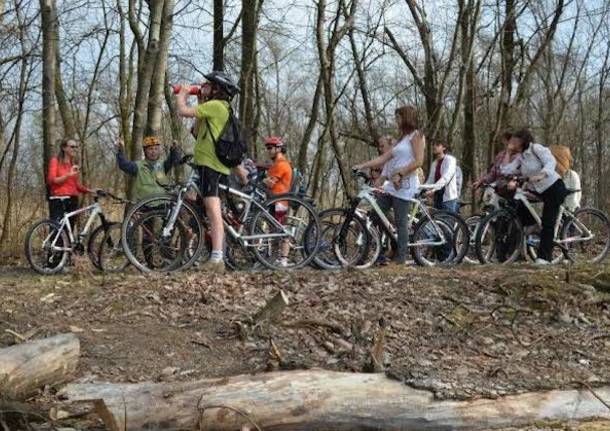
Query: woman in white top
{"points": [[400, 168], [538, 166], [563, 157]]}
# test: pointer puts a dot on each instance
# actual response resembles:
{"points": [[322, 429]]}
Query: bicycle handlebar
{"points": [[106, 194]]}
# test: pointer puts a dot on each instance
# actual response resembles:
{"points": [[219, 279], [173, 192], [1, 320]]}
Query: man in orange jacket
{"points": [[279, 181]]}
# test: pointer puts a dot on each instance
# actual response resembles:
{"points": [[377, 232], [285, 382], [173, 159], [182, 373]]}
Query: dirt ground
{"points": [[462, 332]]}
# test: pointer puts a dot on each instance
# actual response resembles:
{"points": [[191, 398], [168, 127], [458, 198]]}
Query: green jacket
{"points": [[148, 174]]}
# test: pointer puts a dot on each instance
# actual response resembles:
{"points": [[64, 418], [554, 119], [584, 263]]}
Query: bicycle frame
{"points": [[95, 210], [521, 195], [235, 234], [365, 194]]}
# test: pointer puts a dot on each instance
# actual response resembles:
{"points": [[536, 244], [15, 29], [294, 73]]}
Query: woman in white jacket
{"points": [[538, 166]]}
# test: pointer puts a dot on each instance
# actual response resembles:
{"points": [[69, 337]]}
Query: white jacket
{"points": [[572, 182], [538, 159], [448, 178]]}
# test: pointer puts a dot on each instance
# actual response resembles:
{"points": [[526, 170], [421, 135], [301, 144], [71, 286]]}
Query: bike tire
{"points": [[330, 257], [53, 261], [301, 219], [594, 250], [192, 224], [508, 247], [473, 223], [426, 230], [93, 245], [111, 256], [460, 235]]}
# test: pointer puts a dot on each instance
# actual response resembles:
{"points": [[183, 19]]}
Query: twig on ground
{"points": [[586, 385]]}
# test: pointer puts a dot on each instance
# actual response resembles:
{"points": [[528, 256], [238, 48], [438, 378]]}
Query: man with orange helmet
{"points": [[279, 181], [151, 171]]}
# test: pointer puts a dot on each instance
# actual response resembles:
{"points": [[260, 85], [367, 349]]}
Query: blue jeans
{"points": [[453, 206], [401, 216]]}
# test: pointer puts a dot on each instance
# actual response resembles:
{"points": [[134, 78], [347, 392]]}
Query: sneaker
{"points": [[213, 267], [282, 262], [541, 262]]}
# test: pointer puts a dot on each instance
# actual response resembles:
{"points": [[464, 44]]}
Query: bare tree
{"points": [[49, 31]]}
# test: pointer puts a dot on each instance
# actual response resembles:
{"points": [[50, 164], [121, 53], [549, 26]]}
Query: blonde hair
{"points": [[563, 157]]}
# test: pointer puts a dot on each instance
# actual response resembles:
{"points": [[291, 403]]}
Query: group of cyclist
{"points": [[397, 170]]}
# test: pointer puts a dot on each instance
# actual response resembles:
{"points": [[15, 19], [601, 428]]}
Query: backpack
{"points": [[231, 145], [297, 185]]}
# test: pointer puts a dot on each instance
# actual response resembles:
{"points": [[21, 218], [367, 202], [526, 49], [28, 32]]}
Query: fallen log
{"points": [[317, 399], [32, 365]]}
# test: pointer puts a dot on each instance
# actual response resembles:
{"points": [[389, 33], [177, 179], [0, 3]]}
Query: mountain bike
{"points": [[49, 243], [168, 233], [580, 236], [436, 237]]}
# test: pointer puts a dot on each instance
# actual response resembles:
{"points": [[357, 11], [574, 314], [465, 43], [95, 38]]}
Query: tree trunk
{"points": [[248, 52], [49, 30], [311, 124], [310, 400], [155, 100], [507, 58], [364, 92], [32, 365], [219, 48], [65, 111], [145, 75]]}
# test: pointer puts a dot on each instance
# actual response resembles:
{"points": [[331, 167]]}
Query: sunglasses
{"points": [[72, 146]]}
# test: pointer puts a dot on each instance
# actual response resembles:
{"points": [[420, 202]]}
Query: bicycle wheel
{"points": [[351, 243], [460, 236], [238, 257], [93, 245], [586, 236], [111, 257], [45, 247], [499, 238], [333, 252], [188, 229], [473, 223], [287, 233], [373, 249], [325, 257], [530, 248], [432, 242]]}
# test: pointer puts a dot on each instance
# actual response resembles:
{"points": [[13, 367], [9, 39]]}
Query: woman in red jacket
{"points": [[63, 181]]}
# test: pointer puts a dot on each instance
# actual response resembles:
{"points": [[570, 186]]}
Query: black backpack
{"points": [[230, 146]]}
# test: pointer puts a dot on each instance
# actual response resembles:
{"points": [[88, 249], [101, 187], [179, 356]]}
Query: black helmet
{"points": [[223, 80]]}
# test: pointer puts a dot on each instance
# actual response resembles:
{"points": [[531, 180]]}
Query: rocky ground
{"points": [[463, 332]]}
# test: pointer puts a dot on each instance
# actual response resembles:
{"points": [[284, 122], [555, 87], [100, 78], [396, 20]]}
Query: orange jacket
{"points": [[70, 187]]}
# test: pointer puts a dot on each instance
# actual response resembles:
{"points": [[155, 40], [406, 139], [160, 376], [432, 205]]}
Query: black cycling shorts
{"points": [[209, 179]]}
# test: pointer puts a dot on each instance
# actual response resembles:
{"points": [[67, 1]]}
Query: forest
{"points": [[326, 75], [88, 342]]}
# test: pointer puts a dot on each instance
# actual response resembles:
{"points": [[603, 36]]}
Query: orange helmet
{"points": [[274, 141], [150, 141]]}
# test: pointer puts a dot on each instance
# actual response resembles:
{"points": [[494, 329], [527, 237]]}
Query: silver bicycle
{"points": [[580, 236], [49, 244], [359, 235], [170, 232]]}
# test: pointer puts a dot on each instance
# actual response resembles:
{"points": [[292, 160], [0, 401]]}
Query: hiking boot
{"points": [[213, 267]]}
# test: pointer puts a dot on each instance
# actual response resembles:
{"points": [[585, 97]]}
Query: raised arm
{"points": [[181, 106], [124, 164], [376, 162]]}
